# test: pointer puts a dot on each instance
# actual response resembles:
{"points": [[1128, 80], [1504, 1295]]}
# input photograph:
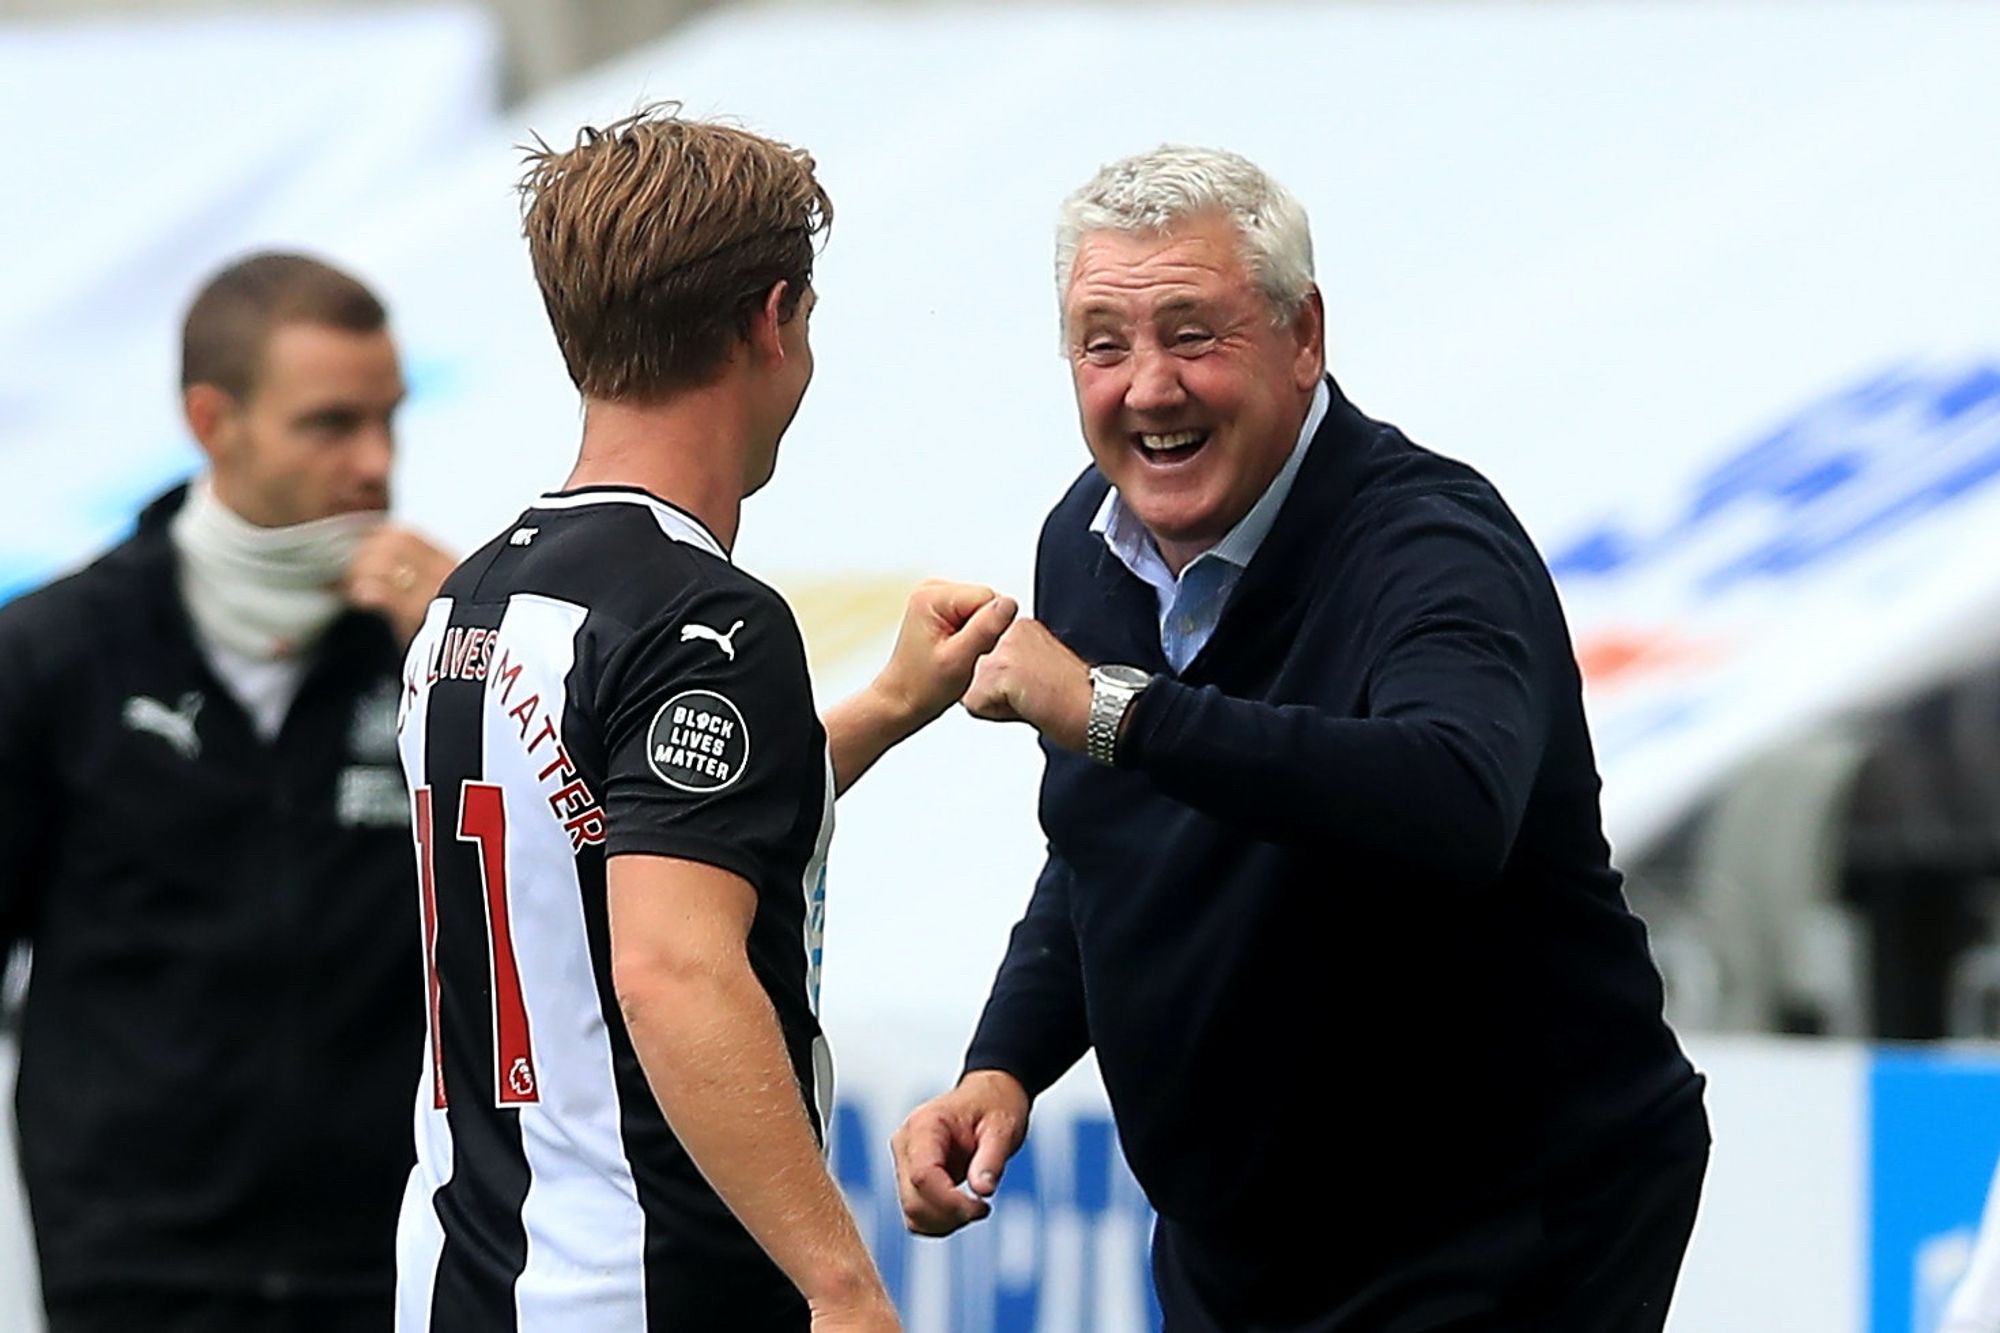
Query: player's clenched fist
{"points": [[1031, 677], [963, 1137], [946, 626]]}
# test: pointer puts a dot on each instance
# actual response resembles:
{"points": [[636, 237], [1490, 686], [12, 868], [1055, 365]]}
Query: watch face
{"points": [[1129, 676]]}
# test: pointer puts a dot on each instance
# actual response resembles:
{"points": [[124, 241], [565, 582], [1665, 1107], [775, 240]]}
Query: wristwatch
{"points": [[1112, 690]]}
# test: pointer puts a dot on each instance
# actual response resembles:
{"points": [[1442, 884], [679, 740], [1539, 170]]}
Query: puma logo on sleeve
{"points": [[689, 633]]}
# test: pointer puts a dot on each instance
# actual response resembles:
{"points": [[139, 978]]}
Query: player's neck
{"points": [[688, 451]]}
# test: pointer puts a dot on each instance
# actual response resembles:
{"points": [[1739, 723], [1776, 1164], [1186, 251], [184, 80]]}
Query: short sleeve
{"points": [[713, 750]]}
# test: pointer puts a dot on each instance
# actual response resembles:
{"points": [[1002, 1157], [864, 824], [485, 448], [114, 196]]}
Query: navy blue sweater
{"points": [[1342, 924]]}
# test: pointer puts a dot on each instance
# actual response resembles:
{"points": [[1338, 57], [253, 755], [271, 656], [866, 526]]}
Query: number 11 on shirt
{"points": [[482, 820]]}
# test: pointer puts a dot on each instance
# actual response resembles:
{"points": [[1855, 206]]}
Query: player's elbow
{"points": [[647, 983], [636, 990], [655, 984]]}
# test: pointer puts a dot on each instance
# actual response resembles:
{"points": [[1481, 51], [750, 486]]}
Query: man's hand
{"points": [[395, 573], [1031, 677], [946, 628], [963, 1137]]}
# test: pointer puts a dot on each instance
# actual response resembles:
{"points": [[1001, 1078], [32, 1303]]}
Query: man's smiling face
{"points": [[1191, 397]]}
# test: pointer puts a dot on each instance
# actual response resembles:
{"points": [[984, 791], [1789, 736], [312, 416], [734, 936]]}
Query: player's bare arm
{"points": [[957, 1141], [946, 628], [710, 1044]]}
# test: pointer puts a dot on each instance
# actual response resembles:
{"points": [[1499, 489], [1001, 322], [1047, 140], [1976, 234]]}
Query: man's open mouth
{"points": [[1171, 447]]}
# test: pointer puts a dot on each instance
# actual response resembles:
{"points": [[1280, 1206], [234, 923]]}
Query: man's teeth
{"points": [[1179, 439]]}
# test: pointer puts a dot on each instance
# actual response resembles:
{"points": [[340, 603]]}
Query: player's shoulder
{"points": [[718, 603], [688, 581], [652, 576], [719, 629], [626, 556]]}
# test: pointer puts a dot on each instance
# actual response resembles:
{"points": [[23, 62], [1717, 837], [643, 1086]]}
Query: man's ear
{"points": [[1309, 327], [211, 416], [765, 341]]}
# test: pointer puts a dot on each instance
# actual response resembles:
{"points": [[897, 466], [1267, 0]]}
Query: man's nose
{"points": [[1156, 382], [373, 455]]}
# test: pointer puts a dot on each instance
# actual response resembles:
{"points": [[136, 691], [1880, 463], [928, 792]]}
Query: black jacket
{"points": [[222, 1037], [1341, 925]]}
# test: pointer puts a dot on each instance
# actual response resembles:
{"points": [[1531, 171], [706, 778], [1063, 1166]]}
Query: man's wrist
{"points": [[995, 1080]]}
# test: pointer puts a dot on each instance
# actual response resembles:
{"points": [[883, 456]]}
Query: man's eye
{"points": [[1101, 349], [325, 424], [1192, 337]]}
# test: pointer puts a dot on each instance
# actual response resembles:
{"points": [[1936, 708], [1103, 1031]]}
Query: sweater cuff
{"points": [[1033, 1075], [1154, 722]]}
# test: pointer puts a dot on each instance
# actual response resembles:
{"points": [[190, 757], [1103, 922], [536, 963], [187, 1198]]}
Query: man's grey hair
{"points": [[1153, 191]]}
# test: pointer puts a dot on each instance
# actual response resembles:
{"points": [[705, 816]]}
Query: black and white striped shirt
{"points": [[597, 680]]}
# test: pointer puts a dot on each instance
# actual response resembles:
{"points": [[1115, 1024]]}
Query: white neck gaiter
{"points": [[266, 593]]}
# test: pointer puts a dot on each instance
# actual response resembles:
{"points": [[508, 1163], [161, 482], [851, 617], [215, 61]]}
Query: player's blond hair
{"points": [[655, 239]]}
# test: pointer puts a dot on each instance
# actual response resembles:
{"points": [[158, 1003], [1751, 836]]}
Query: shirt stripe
{"points": [[419, 1234], [585, 1227], [480, 1203]]}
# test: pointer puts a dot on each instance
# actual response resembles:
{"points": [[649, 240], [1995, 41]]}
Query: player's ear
{"points": [[765, 340], [211, 414]]}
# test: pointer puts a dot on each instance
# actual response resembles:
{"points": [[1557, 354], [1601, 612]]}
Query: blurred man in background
{"points": [[207, 847], [624, 797], [1326, 889]]}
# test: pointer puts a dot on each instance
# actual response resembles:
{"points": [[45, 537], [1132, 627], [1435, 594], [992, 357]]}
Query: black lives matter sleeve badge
{"points": [[698, 742]]}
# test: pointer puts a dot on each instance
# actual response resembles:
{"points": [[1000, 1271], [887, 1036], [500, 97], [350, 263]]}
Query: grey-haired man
{"points": [[1327, 889]]}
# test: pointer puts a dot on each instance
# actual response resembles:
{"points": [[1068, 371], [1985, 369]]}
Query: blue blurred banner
{"points": [[1934, 1137], [1066, 1246]]}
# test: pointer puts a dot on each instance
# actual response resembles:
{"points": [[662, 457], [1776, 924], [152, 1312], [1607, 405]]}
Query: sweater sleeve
{"points": [[1034, 1026], [1434, 775]]}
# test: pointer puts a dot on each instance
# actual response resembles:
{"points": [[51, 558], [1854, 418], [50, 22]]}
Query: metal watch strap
{"points": [[1109, 700]]}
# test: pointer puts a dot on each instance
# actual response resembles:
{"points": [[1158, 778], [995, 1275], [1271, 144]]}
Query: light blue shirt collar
{"points": [[1191, 606], [1133, 545]]}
